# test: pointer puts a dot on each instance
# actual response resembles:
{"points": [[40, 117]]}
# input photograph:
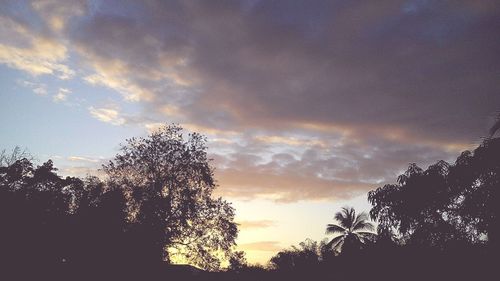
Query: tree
{"points": [[476, 179], [9, 158], [303, 258], [168, 182], [237, 261], [445, 204], [33, 214], [421, 207], [354, 230], [98, 226]]}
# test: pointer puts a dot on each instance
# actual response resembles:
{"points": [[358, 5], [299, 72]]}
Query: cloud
{"points": [[80, 166], [30, 51], [38, 88], [293, 141], [108, 115], [61, 95], [129, 90], [351, 65], [84, 159], [315, 101], [343, 169], [253, 224], [56, 14], [266, 246], [80, 171]]}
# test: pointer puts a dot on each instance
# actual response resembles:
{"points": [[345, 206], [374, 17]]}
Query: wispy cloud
{"points": [[108, 115], [256, 224], [32, 52], [84, 159], [80, 171], [38, 88], [266, 246], [56, 14], [61, 95]]}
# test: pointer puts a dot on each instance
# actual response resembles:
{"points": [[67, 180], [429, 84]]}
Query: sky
{"points": [[307, 105]]}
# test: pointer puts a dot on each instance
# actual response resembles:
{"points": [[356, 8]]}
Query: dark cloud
{"points": [[429, 67], [303, 100]]}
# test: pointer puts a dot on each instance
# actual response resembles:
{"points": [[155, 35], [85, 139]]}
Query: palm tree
{"points": [[354, 230]]}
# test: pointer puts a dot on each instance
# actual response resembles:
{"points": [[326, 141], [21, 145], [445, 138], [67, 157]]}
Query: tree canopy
{"points": [[155, 202], [446, 203], [168, 182]]}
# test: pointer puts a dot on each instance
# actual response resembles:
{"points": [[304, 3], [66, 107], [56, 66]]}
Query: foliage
{"points": [[158, 197], [168, 182], [237, 261], [306, 255], [446, 203], [9, 158], [33, 209]]}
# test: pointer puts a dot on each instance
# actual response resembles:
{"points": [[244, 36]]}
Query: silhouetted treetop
{"points": [[445, 203], [8, 158], [305, 256], [168, 182]]}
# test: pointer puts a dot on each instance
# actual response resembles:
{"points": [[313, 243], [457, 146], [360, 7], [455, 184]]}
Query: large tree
{"points": [[168, 182]]}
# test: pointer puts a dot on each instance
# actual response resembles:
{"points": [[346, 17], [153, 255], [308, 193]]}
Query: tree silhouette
{"points": [[354, 229], [421, 206], [33, 214], [9, 158], [496, 126], [168, 182], [238, 261], [476, 178], [445, 204], [303, 257]]}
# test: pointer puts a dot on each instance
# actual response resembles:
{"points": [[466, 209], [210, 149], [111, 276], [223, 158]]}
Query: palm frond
{"points": [[345, 217], [352, 216], [341, 218], [366, 234], [333, 228], [334, 243], [360, 218], [363, 225]]}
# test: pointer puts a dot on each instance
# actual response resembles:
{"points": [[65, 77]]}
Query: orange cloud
{"points": [[265, 246], [252, 224]]}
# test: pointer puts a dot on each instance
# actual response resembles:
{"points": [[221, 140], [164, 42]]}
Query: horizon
{"points": [[306, 107]]}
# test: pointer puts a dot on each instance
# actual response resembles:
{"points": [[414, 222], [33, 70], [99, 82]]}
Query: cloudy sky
{"points": [[307, 105]]}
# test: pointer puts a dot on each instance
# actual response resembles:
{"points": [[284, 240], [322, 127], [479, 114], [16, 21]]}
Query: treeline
{"points": [[156, 201], [441, 223], [48, 222]]}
